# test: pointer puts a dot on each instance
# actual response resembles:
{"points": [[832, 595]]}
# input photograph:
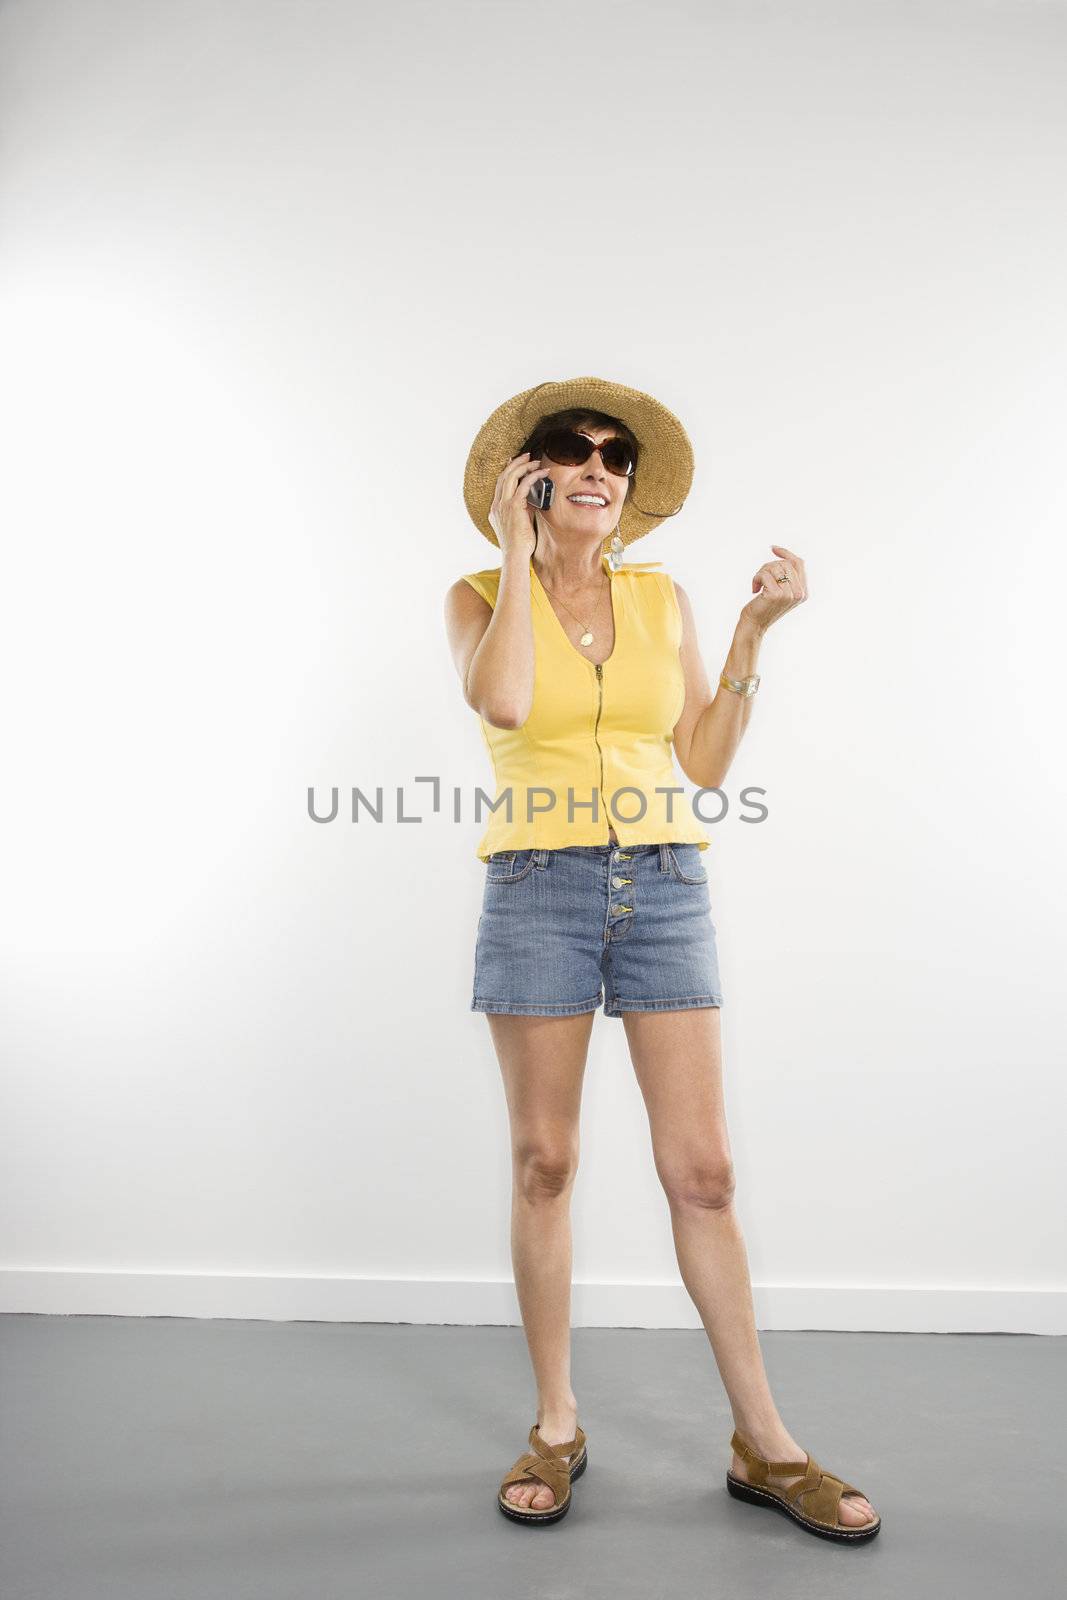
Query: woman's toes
{"points": [[855, 1509], [530, 1495]]}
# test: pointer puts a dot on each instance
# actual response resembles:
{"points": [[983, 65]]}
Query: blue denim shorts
{"points": [[561, 930]]}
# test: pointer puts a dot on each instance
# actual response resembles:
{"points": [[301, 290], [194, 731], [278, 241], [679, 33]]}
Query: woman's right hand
{"points": [[511, 515]]}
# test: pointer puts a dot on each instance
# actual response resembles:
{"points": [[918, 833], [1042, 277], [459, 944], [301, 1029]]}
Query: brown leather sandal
{"points": [[545, 1462], [819, 1514]]}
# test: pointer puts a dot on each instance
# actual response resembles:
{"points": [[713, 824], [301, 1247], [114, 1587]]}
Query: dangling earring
{"points": [[616, 552]]}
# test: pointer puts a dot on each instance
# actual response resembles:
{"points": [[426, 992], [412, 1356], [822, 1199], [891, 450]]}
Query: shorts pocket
{"points": [[685, 863], [509, 866]]}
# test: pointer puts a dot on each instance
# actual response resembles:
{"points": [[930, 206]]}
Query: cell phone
{"points": [[540, 495]]}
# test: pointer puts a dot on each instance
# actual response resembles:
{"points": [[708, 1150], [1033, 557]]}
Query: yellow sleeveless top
{"points": [[602, 732]]}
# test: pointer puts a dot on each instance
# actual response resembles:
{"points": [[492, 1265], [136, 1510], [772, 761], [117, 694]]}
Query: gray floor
{"points": [[172, 1457]]}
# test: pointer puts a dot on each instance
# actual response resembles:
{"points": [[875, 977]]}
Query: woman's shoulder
{"points": [[648, 577], [653, 572], [485, 582]]}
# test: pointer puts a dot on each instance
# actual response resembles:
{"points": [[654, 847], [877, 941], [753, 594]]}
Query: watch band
{"points": [[742, 686]]}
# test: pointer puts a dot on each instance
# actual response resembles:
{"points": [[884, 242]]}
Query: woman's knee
{"points": [[704, 1180], [544, 1167]]}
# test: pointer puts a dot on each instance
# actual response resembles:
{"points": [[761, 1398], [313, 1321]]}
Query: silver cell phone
{"points": [[540, 495]]}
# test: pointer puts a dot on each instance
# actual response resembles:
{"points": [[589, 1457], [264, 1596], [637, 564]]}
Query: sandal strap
{"points": [[825, 1490], [552, 1473], [822, 1495], [555, 1452], [761, 1468], [546, 1462]]}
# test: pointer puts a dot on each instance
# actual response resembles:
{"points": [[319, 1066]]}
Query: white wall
{"points": [[265, 269]]}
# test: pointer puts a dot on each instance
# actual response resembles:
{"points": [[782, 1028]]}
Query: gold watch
{"points": [[741, 686]]}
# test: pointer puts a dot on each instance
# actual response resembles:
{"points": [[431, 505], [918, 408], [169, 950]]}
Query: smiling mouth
{"points": [[588, 505]]}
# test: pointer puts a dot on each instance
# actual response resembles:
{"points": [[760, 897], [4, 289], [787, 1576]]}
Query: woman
{"points": [[585, 673]]}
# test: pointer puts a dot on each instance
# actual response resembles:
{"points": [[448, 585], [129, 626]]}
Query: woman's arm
{"points": [[712, 724], [493, 648]]}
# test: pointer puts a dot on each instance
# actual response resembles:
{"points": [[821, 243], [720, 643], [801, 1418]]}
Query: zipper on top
{"points": [[596, 725]]}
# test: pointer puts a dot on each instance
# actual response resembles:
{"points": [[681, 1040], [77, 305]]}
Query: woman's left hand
{"points": [[774, 599]]}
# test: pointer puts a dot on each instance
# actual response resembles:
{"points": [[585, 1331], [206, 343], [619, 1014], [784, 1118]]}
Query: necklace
{"points": [[587, 634]]}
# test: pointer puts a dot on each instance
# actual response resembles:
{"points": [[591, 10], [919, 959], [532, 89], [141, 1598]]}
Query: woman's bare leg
{"points": [[677, 1056], [542, 1060]]}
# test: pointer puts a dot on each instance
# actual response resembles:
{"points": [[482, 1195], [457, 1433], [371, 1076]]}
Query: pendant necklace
{"points": [[587, 634]]}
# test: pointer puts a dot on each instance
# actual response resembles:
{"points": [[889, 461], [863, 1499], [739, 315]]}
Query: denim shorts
{"points": [[561, 930]]}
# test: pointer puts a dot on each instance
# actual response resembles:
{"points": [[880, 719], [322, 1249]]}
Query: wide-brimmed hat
{"points": [[665, 457]]}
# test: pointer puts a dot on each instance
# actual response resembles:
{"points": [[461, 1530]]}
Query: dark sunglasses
{"points": [[570, 449]]}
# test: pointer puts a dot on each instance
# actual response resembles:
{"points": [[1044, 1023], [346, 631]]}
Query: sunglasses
{"points": [[570, 449]]}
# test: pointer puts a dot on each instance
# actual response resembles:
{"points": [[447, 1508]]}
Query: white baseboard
{"points": [[481, 1303]]}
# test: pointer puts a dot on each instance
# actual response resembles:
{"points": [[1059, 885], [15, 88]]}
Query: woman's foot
{"points": [[853, 1510], [559, 1428]]}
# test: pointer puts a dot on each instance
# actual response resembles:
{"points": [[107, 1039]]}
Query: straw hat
{"points": [[664, 465]]}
